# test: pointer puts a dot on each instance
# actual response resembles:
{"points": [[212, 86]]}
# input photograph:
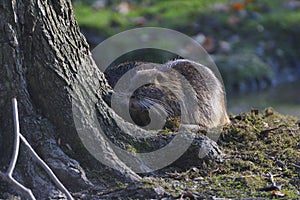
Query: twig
{"points": [[271, 178], [8, 175], [275, 186], [14, 157]]}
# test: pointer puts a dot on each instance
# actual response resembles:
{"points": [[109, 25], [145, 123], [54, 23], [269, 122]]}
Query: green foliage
{"points": [[177, 13], [101, 20], [169, 14], [242, 67]]}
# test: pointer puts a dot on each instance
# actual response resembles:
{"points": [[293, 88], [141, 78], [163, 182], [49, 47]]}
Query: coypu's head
{"points": [[154, 96]]}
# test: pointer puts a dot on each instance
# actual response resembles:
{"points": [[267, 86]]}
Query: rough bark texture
{"points": [[44, 61]]}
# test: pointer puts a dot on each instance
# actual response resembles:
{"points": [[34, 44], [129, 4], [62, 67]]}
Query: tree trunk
{"points": [[46, 63]]}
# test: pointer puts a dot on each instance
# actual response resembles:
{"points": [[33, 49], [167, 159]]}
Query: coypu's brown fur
{"points": [[173, 83]]}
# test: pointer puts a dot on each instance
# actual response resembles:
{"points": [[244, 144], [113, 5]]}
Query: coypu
{"points": [[172, 85]]}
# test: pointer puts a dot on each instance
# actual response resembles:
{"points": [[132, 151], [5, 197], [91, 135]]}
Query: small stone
{"points": [[200, 38], [225, 47]]}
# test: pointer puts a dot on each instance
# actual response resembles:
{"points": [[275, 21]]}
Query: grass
{"points": [[177, 13], [276, 23], [276, 15], [102, 20], [169, 14], [255, 144]]}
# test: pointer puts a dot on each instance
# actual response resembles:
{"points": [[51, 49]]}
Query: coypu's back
{"points": [[185, 79]]}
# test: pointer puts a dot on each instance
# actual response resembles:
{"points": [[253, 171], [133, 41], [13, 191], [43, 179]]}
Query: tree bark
{"points": [[46, 63]]}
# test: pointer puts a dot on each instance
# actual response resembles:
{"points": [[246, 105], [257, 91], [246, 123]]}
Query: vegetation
{"points": [[113, 21], [262, 149], [262, 156], [110, 20], [264, 32], [256, 145]]}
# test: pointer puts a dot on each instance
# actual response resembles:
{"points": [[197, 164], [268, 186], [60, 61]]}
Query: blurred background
{"points": [[255, 43]]}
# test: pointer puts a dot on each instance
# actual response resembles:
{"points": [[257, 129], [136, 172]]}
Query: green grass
{"points": [[179, 13], [102, 20], [253, 149], [255, 144], [285, 20], [157, 13]]}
